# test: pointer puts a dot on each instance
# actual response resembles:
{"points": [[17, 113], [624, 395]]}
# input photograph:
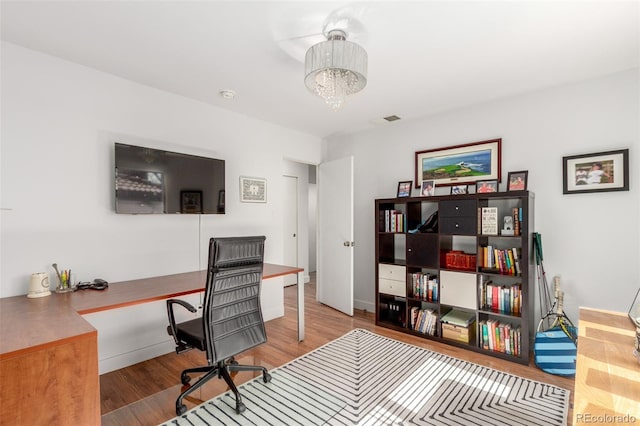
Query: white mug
{"points": [[39, 285]]}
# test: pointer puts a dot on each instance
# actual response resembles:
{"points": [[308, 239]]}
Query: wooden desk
{"points": [[607, 386], [135, 292], [49, 353]]}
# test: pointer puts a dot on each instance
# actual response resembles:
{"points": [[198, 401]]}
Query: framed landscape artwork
{"points": [[598, 172], [460, 164]]}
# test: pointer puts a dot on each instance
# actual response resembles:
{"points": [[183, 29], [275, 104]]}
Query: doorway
{"points": [[290, 226], [299, 217]]}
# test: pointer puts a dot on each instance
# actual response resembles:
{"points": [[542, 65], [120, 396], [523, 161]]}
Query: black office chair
{"points": [[231, 319]]}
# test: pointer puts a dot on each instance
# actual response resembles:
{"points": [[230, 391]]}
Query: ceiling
{"points": [[424, 57]]}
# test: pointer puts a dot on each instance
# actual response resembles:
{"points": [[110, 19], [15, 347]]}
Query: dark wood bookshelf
{"points": [[459, 229]]}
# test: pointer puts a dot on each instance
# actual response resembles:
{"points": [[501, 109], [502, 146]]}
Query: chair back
{"points": [[232, 316]]}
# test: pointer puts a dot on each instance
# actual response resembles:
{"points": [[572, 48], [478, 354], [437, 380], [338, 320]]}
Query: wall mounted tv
{"points": [[152, 181]]}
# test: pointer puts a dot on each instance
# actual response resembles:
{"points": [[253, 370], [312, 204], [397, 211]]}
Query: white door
{"points": [[335, 234], [290, 226]]}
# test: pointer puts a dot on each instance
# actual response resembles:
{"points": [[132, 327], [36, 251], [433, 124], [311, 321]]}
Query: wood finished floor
{"points": [[145, 393]]}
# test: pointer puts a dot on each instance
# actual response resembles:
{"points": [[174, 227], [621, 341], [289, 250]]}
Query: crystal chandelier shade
{"points": [[335, 69]]}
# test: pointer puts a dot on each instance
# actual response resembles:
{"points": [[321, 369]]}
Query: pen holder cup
{"points": [[60, 289], [64, 287]]}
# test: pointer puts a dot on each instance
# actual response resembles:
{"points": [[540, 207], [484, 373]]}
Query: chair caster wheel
{"points": [[240, 407], [266, 377], [181, 409], [232, 361], [185, 379]]}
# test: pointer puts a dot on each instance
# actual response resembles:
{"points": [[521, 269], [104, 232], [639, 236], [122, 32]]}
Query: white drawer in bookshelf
{"points": [[392, 280], [458, 289]]}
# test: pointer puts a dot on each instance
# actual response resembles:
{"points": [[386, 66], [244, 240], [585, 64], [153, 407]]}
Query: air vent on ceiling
{"points": [[392, 118]]}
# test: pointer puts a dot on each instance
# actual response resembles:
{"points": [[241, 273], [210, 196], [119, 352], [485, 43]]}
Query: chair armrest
{"points": [[172, 319]]}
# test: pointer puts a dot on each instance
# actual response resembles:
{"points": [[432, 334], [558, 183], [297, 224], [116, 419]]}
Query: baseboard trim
{"points": [[364, 305], [138, 355]]}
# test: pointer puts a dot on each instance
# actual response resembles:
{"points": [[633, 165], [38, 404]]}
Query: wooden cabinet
{"points": [[458, 217], [454, 267]]}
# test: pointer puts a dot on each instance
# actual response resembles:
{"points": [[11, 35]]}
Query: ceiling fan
{"points": [[295, 34]]}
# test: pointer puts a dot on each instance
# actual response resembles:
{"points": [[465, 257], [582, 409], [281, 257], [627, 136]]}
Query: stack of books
{"points": [[424, 320], [517, 220]]}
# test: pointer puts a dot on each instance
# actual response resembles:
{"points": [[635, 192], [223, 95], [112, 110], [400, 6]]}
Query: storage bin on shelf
{"points": [[459, 326], [457, 259]]}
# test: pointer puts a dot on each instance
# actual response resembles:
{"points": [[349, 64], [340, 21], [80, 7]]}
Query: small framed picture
{"points": [[486, 186], [597, 172], [190, 201], [428, 188], [458, 189], [253, 190], [404, 188], [517, 181]]}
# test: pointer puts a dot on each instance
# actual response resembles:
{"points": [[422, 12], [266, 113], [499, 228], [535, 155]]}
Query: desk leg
{"points": [[300, 286]]}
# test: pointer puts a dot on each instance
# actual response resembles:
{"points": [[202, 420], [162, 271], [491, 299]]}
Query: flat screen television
{"points": [[154, 181]]}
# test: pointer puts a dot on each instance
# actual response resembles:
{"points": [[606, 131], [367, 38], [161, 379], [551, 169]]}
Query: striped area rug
{"points": [[362, 378]]}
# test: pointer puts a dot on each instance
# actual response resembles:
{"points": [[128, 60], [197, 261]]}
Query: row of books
{"points": [[424, 320], [494, 335], [501, 298], [507, 261], [500, 337], [425, 286], [517, 220], [393, 221]]}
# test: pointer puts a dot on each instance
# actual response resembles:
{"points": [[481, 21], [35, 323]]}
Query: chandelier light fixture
{"points": [[335, 69]]}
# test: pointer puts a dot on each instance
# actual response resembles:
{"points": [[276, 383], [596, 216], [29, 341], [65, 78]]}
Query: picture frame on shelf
{"points": [[459, 189], [517, 181], [428, 188], [191, 202], [404, 189], [597, 172], [459, 164], [486, 186], [253, 190]]}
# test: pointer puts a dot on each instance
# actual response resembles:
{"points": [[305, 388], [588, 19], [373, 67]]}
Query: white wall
{"points": [[59, 123], [590, 240]]}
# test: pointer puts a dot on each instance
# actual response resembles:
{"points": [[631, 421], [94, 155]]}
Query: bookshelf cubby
{"points": [[460, 266]]}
